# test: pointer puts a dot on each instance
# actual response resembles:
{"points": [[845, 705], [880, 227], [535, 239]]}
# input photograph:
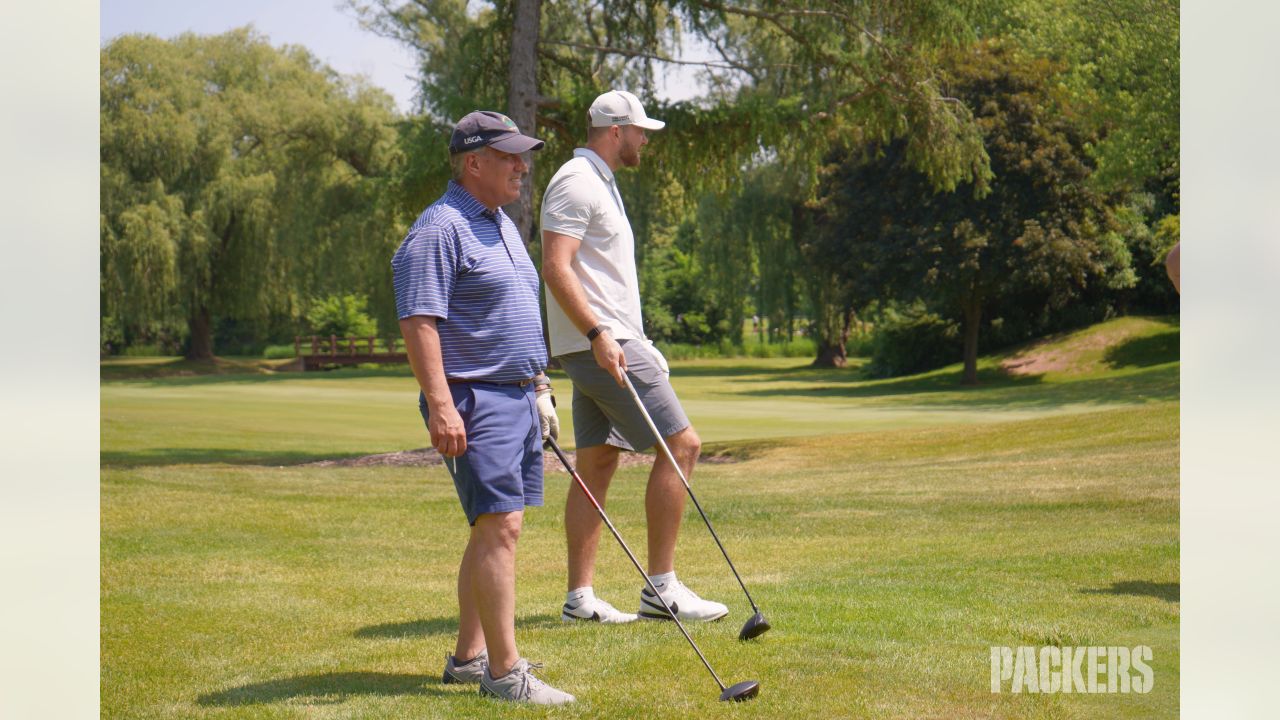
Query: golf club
{"points": [[744, 690], [756, 625]]}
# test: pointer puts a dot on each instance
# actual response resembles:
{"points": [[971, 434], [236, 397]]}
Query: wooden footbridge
{"points": [[319, 353]]}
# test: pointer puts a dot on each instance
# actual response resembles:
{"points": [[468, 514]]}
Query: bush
{"points": [[341, 315], [912, 340], [147, 350], [277, 352], [800, 347], [690, 351]]}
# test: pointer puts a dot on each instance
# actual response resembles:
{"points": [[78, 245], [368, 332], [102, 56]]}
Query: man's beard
{"points": [[629, 155]]}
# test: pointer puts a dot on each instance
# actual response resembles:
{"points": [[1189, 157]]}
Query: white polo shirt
{"points": [[583, 202]]}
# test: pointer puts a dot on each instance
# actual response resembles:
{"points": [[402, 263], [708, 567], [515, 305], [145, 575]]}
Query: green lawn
{"points": [[891, 530]]}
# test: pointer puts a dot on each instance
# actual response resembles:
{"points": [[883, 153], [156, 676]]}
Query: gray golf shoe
{"points": [[468, 673], [520, 685]]}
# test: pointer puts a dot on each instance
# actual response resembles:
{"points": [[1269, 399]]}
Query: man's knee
{"points": [[499, 529], [685, 445], [598, 460]]}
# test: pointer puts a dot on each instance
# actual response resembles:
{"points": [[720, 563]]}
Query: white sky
{"points": [[330, 31]]}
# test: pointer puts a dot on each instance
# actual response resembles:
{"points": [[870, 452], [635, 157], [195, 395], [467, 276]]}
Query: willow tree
{"points": [[787, 81], [237, 180]]}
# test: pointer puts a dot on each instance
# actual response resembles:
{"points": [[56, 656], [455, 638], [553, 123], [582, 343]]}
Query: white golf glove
{"points": [[547, 415]]}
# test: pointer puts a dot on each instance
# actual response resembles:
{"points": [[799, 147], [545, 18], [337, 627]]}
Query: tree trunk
{"points": [[972, 317], [522, 104], [832, 353], [201, 329]]}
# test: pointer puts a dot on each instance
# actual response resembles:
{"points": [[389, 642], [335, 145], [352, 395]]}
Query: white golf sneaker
{"points": [[684, 602], [468, 673], [593, 609], [520, 685]]}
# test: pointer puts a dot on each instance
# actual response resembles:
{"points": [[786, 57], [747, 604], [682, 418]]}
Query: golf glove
{"points": [[547, 415]]}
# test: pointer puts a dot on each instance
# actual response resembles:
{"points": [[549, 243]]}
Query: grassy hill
{"points": [[891, 530]]}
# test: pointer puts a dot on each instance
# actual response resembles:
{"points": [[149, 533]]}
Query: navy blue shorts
{"points": [[501, 471]]}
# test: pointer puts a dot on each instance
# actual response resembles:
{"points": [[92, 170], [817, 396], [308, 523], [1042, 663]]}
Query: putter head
{"points": [[744, 690], [754, 627]]}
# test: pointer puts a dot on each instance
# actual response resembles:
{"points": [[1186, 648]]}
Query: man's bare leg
{"points": [[596, 466], [491, 566], [470, 634], [665, 497]]}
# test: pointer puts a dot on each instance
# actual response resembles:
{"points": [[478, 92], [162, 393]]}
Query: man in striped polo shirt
{"points": [[467, 298]]}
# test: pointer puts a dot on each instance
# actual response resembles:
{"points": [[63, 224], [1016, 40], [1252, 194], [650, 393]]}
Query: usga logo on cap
{"points": [[487, 128]]}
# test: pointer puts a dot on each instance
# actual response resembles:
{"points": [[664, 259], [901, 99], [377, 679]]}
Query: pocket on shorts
{"points": [[464, 401], [658, 357]]}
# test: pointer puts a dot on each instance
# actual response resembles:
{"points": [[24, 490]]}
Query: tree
{"points": [[1122, 71], [341, 315], [787, 82], [236, 179], [1040, 232]]}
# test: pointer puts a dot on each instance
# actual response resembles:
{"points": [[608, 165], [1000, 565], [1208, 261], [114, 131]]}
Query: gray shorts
{"points": [[604, 413]]}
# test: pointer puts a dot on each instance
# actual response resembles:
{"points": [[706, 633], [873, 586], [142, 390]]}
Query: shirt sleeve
{"points": [[568, 206], [424, 270]]}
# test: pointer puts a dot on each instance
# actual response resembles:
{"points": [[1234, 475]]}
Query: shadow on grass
{"points": [[1170, 592], [801, 366], [182, 379], [440, 626], [995, 388], [324, 688], [209, 456], [1144, 351]]}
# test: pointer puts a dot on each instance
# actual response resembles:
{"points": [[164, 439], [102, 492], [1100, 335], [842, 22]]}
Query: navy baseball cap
{"points": [[484, 128]]}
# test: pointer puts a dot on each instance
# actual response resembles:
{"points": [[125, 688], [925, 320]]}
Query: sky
{"points": [[325, 27]]}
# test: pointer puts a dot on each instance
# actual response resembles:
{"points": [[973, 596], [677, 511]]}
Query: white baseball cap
{"points": [[619, 107]]}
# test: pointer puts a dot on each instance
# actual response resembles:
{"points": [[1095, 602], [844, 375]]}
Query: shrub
{"points": [[278, 352], [911, 340], [341, 315], [800, 347]]}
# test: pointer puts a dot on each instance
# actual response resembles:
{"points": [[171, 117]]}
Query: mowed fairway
{"points": [[892, 531]]}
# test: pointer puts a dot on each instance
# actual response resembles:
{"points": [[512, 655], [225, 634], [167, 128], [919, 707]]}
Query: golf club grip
{"points": [[662, 443], [618, 536]]}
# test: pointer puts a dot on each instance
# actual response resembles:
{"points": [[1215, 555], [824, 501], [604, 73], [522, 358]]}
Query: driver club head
{"points": [[744, 690], [756, 626]]}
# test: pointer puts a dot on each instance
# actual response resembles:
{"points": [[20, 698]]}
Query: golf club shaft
{"points": [[583, 486], [671, 458]]}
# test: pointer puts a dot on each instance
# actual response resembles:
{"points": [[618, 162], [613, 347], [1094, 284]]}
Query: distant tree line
{"points": [[961, 175]]}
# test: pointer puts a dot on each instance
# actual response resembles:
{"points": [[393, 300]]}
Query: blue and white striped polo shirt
{"points": [[467, 267]]}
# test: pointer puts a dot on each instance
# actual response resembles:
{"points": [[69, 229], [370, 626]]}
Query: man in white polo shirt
{"points": [[593, 318]]}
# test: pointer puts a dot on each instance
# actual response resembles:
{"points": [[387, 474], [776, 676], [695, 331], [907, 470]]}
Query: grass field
{"points": [[891, 530]]}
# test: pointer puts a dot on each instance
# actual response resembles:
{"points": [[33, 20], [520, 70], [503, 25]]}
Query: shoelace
{"points": [[528, 682], [607, 606], [678, 588]]}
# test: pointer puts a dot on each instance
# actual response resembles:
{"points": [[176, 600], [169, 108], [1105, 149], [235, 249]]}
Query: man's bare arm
{"points": [[557, 271], [422, 343]]}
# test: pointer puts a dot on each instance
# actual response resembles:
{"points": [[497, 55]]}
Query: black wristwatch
{"points": [[593, 333]]}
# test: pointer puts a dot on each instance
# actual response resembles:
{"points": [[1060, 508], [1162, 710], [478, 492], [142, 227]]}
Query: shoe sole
{"points": [[664, 616], [448, 679], [650, 611], [486, 692], [595, 618]]}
